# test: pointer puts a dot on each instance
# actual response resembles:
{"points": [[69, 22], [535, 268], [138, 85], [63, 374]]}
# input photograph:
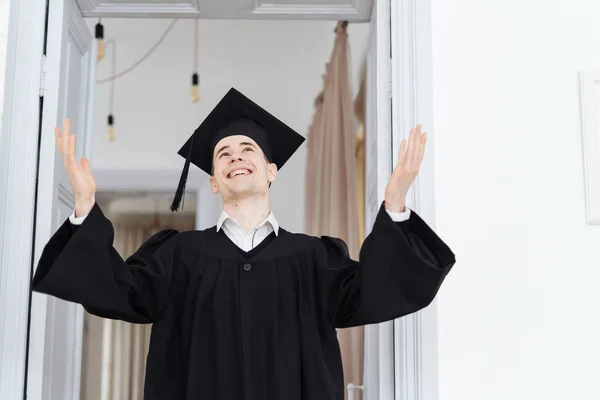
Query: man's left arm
{"points": [[402, 261], [400, 270]]}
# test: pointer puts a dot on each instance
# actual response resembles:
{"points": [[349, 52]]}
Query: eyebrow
{"points": [[227, 146]]}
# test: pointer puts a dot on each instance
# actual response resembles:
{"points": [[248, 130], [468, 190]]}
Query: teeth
{"points": [[239, 172]]}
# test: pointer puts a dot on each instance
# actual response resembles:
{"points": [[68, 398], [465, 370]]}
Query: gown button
{"points": [[247, 267]]}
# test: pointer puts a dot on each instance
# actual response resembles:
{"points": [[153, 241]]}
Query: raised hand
{"points": [[407, 169], [80, 175]]}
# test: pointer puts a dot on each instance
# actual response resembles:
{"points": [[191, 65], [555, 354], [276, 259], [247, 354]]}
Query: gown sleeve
{"points": [[400, 269], [79, 264]]}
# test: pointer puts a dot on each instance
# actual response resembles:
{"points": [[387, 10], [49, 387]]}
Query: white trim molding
{"points": [[378, 377], [18, 171], [56, 326], [415, 336], [149, 9], [325, 9], [590, 124], [353, 10]]}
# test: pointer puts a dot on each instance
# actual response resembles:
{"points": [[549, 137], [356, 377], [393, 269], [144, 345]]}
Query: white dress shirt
{"points": [[249, 240]]}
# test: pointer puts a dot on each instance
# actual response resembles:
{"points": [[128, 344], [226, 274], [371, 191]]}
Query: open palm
{"points": [[410, 156], [80, 174]]}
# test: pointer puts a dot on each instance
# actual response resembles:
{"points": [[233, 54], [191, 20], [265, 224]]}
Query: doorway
{"points": [[50, 70]]}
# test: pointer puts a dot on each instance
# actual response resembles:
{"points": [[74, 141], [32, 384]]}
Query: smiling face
{"points": [[240, 168]]}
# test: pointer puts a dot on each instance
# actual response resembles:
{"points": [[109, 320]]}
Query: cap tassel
{"points": [[100, 39], [180, 193]]}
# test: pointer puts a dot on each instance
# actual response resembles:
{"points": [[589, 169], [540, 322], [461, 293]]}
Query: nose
{"points": [[235, 158]]}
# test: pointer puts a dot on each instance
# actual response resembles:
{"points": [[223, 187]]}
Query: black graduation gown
{"points": [[258, 325]]}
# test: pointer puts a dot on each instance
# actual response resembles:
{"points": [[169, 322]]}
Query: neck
{"points": [[250, 211]]}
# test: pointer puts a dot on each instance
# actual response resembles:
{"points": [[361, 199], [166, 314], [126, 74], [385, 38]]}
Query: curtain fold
{"points": [[360, 104], [359, 156], [331, 201]]}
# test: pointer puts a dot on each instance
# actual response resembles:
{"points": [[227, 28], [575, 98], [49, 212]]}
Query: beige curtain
{"points": [[331, 203], [118, 374], [359, 154]]}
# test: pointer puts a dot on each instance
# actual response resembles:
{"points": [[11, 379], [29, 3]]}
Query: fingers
{"points": [[410, 153], [422, 148], [85, 165], [62, 138], [72, 140], [87, 168], [402, 153], [417, 143], [416, 148], [70, 153], [58, 138], [66, 132]]}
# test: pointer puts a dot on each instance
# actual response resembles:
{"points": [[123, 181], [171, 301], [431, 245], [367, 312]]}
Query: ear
{"points": [[271, 172], [213, 185]]}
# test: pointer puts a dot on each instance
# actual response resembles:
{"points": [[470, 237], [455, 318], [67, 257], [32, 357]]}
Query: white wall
{"points": [[519, 316], [4, 17], [277, 63]]}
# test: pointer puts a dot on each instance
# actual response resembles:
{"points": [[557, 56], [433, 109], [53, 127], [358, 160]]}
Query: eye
{"points": [[249, 148], [223, 154]]}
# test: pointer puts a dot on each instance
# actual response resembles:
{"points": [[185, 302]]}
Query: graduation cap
{"points": [[236, 114]]}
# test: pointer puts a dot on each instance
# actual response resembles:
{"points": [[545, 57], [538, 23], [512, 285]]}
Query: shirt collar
{"points": [[270, 220]]}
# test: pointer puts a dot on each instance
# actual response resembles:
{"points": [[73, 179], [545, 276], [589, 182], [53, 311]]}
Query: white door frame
{"points": [[415, 336], [51, 323], [401, 359], [379, 344], [18, 174]]}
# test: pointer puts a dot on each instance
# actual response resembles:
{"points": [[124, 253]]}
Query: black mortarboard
{"points": [[236, 115]]}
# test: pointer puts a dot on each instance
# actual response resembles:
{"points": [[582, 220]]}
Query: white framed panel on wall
{"points": [[415, 335], [590, 123]]}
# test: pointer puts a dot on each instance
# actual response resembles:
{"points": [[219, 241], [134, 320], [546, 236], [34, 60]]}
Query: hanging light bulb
{"points": [[195, 94], [100, 39], [111, 128]]}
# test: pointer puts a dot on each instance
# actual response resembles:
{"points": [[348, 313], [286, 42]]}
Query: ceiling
{"points": [[334, 10]]}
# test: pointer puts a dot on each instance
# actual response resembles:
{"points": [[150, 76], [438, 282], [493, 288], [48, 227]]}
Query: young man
{"points": [[245, 309]]}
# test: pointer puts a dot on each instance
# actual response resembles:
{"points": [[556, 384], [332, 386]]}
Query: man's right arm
{"points": [[79, 264], [85, 268]]}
